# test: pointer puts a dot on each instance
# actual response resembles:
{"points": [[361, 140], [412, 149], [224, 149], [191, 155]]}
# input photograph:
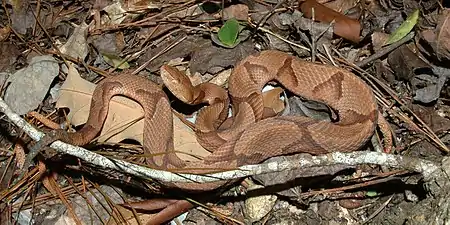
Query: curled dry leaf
{"points": [[321, 32], [117, 12], [344, 26]]}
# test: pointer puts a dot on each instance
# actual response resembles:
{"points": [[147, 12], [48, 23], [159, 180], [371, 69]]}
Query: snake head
{"points": [[178, 83]]}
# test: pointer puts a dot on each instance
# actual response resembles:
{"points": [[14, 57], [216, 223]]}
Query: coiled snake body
{"points": [[250, 139]]}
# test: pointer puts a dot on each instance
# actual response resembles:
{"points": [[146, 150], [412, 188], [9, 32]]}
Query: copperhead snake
{"points": [[250, 139]]}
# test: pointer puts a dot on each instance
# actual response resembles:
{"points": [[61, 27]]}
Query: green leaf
{"points": [[404, 28], [115, 61], [228, 33], [371, 193]]}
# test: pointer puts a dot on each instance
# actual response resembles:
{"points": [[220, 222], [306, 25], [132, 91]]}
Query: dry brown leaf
{"points": [[443, 37], [9, 54], [76, 46], [339, 5], [439, 38], [404, 62], [221, 78], [378, 40], [344, 26], [124, 120], [237, 11]]}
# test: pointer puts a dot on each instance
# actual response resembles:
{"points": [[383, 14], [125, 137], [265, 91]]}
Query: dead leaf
{"points": [[238, 11], [339, 5], [429, 115], [321, 32], [429, 86], [157, 31], [378, 39], [439, 38], [21, 18], [258, 206], [191, 11], [298, 106], [115, 14], [221, 78], [443, 30], [50, 184], [124, 120], [404, 62], [76, 45], [344, 26], [9, 55], [106, 43], [212, 59]]}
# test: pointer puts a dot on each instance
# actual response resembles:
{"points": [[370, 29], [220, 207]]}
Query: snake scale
{"points": [[250, 138]]}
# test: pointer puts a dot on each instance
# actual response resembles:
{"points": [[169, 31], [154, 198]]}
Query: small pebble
{"points": [[258, 207]]}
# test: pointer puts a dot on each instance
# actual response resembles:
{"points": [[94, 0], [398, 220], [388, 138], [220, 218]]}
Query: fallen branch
{"points": [[422, 166]]}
